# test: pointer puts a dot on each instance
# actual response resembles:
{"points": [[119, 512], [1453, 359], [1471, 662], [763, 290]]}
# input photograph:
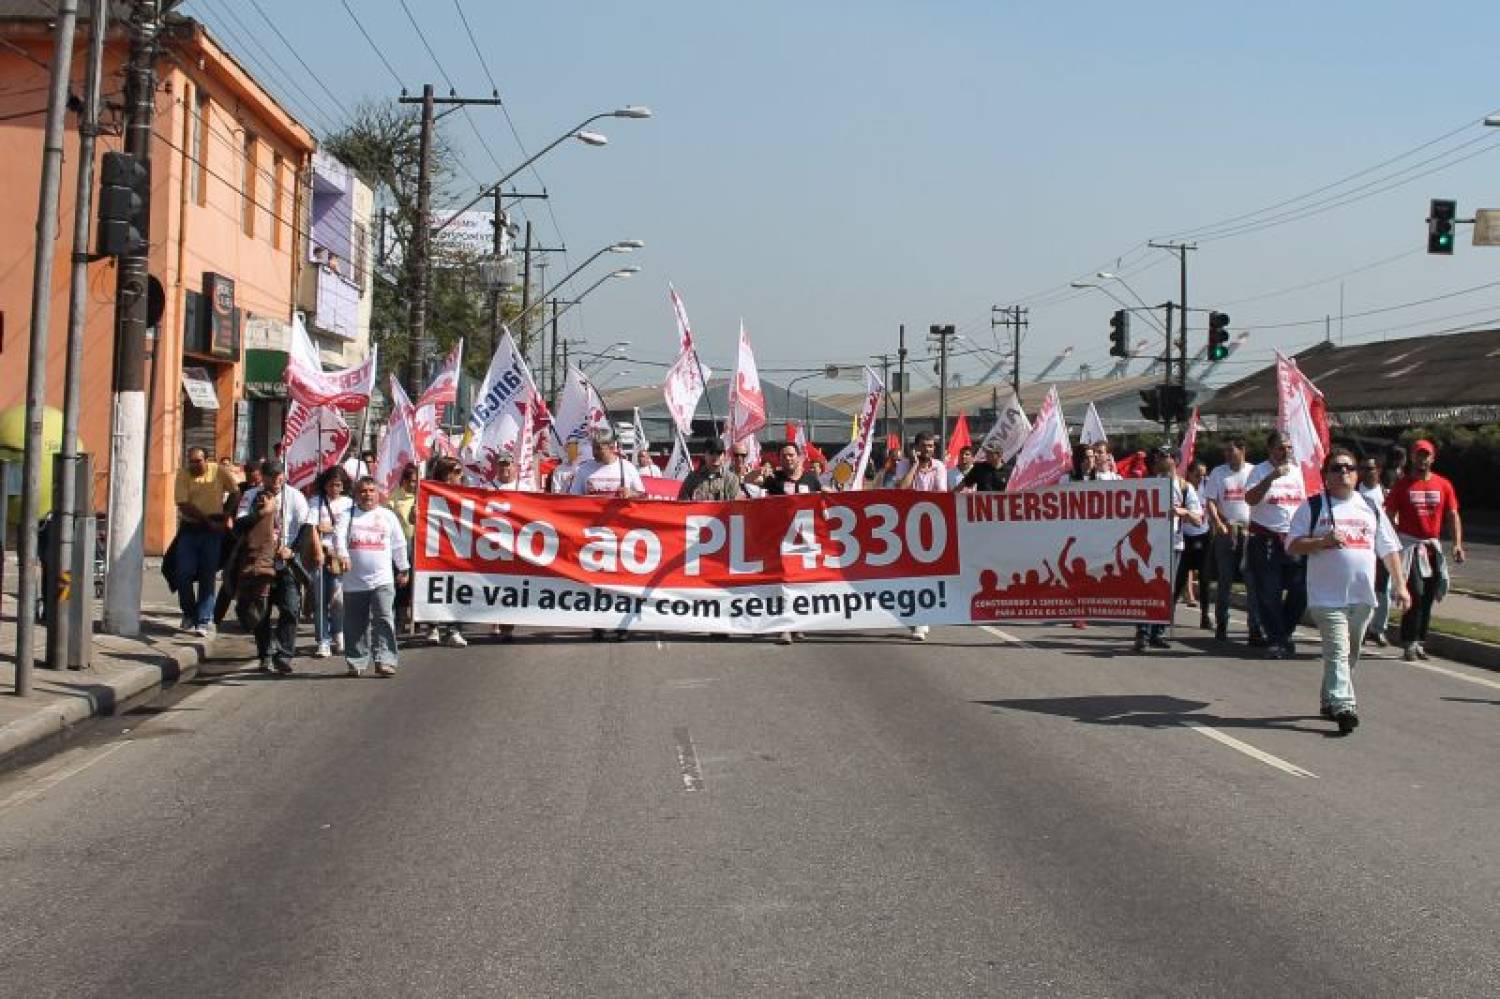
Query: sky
{"points": [[825, 172]]}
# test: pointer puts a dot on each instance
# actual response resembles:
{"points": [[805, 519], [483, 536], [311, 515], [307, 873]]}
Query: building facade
{"points": [[228, 202]]}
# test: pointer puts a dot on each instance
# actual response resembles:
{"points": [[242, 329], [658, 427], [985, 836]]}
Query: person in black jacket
{"points": [[792, 477]]}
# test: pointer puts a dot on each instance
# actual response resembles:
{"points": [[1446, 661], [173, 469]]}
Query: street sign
{"points": [[1487, 227]]}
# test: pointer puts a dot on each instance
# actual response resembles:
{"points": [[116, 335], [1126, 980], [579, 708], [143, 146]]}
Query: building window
{"points": [[276, 200], [247, 185], [198, 146]]}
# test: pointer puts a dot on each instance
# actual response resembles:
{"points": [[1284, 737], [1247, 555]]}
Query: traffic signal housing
{"points": [[1218, 336], [1442, 215], [1151, 403], [1119, 334], [1176, 402], [124, 205]]}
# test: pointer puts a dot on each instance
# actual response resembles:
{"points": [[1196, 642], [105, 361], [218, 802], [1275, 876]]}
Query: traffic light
{"points": [[1218, 336], [1151, 403], [1176, 402], [1119, 334], [1441, 216], [124, 205]]}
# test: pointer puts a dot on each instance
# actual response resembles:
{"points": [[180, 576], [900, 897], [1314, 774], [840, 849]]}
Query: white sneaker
{"points": [[785, 638], [201, 630], [322, 651], [1421, 651], [185, 623], [919, 633], [435, 635], [338, 643], [384, 669], [454, 640]]}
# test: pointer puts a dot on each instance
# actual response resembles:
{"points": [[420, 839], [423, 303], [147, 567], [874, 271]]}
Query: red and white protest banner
{"points": [[812, 562], [1046, 457], [308, 384], [847, 469], [1008, 434], [1302, 415], [747, 403], [312, 439]]}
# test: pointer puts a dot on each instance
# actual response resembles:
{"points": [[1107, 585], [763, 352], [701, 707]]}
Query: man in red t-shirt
{"points": [[1419, 504]]}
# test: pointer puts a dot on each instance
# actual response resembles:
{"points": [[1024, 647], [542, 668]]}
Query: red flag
{"points": [[1132, 467], [892, 443], [1302, 415], [959, 439], [1139, 540]]}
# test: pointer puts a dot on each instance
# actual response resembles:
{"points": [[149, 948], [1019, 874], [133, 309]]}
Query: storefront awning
{"points": [[200, 388], [265, 374]]}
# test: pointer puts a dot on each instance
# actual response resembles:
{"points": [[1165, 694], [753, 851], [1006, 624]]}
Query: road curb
{"points": [[95, 695]]}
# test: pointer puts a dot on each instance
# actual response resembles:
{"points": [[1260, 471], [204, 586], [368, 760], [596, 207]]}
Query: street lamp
{"points": [[623, 246], [577, 132], [1150, 315], [623, 272]]}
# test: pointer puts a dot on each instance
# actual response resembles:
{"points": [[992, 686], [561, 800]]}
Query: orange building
{"points": [[228, 208]]}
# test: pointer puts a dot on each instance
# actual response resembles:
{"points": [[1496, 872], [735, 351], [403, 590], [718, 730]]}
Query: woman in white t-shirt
{"points": [[328, 512], [376, 544], [1343, 534]]}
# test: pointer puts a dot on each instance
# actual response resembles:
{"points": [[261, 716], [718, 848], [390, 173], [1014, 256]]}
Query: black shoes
{"points": [[1157, 642], [1221, 634], [1140, 644], [1347, 720]]}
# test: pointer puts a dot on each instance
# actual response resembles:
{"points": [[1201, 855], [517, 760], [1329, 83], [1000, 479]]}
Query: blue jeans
{"points": [[197, 568], [1382, 619], [1342, 629], [370, 614], [328, 620], [1278, 584]]}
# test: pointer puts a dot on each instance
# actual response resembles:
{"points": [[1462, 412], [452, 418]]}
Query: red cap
{"points": [[1424, 445]]}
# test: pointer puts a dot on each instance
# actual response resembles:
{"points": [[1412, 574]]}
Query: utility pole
{"points": [[497, 245], [552, 364], [417, 347], [1181, 250], [61, 631], [1016, 319], [942, 334], [885, 379], [901, 384], [127, 458], [526, 292], [36, 361]]}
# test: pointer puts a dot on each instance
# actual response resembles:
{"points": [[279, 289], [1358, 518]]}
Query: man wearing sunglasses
{"points": [[1343, 533]]}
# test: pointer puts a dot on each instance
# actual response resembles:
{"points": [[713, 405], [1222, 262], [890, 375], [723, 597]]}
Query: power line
{"points": [[1327, 280], [371, 42], [1374, 312], [300, 61]]}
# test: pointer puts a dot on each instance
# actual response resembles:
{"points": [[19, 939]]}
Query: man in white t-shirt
{"points": [[1343, 533], [1277, 584], [1229, 517], [1370, 470], [561, 480], [378, 563], [607, 474], [646, 465]]}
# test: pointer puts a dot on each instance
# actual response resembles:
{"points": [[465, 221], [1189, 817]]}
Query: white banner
{"points": [[1009, 432], [312, 439], [1046, 458], [508, 415], [1093, 428], [747, 403], [580, 412], [307, 383]]}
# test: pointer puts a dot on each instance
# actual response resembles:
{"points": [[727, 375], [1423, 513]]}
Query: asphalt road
{"points": [[850, 816]]}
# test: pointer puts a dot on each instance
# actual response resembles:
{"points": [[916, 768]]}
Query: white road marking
{"points": [[687, 760], [44, 784], [659, 646], [1482, 681], [1247, 749], [1006, 636]]}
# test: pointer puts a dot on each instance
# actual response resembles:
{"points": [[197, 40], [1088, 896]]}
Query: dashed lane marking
{"points": [[1006, 636], [687, 760], [1249, 750]]}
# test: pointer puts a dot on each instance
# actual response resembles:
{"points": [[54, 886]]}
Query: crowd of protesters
{"points": [[340, 553]]}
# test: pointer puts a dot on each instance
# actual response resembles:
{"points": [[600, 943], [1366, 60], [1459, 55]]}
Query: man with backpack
{"points": [[1343, 533]]}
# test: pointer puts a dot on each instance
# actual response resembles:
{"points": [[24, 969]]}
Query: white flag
{"points": [[1009, 431], [508, 414], [312, 439], [687, 378], [1046, 457], [638, 431], [398, 447], [847, 469], [426, 415], [747, 403], [580, 412], [307, 383], [680, 465], [1093, 428]]}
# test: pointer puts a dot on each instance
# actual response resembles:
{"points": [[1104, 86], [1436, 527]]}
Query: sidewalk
{"points": [[124, 671]]}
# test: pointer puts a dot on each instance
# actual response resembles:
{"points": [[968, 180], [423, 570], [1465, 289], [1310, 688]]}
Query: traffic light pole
{"points": [[36, 361], [127, 456], [942, 334], [1181, 250], [59, 601], [901, 384]]}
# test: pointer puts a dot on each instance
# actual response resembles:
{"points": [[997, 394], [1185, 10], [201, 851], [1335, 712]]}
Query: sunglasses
{"points": [[1341, 467]]}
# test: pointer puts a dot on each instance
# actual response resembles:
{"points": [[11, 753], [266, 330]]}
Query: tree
{"points": [[381, 144]]}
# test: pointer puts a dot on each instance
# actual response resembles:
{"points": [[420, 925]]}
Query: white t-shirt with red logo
{"points": [[376, 542], [1338, 577], [594, 479], [1286, 494], [1226, 487]]}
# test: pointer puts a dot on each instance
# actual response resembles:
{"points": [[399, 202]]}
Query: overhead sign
{"points": [[200, 388], [1487, 227], [823, 561]]}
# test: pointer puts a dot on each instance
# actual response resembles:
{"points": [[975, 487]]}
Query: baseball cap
{"points": [[713, 446], [1423, 445]]}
